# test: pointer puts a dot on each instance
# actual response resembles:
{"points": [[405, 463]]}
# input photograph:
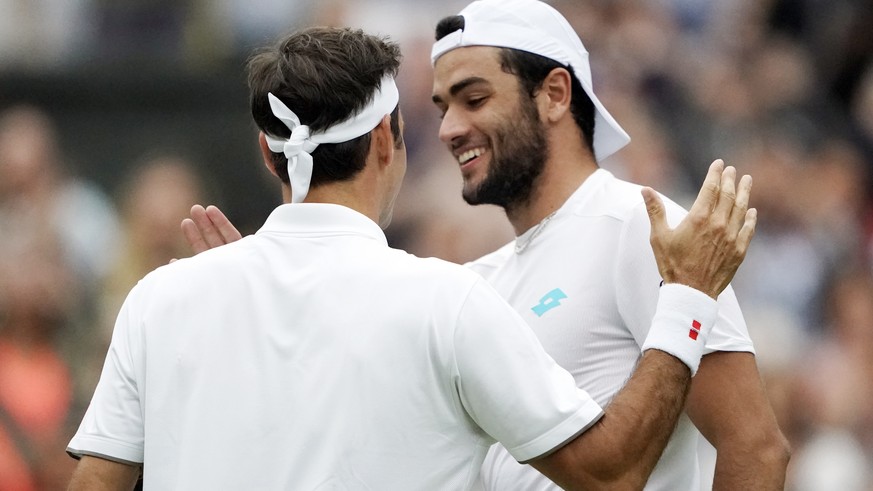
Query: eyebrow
{"points": [[461, 85]]}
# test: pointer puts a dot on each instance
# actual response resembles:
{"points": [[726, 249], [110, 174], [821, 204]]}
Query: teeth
{"points": [[470, 154]]}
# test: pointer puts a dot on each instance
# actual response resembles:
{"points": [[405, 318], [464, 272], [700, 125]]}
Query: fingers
{"points": [[655, 208], [207, 228], [228, 232], [193, 237], [727, 195], [709, 191], [741, 206], [747, 231], [209, 232]]}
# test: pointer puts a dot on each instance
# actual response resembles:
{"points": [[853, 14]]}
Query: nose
{"points": [[453, 128]]}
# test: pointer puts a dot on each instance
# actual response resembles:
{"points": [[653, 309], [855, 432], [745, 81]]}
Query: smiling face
{"points": [[490, 125]]}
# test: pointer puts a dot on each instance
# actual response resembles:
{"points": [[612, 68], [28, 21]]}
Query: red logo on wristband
{"points": [[695, 330]]}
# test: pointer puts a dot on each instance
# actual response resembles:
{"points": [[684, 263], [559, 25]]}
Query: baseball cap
{"points": [[535, 27]]}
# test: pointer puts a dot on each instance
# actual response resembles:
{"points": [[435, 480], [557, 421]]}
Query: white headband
{"points": [[535, 27], [299, 146]]}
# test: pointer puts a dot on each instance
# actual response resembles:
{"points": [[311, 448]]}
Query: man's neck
{"points": [[559, 180], [358, 194]]}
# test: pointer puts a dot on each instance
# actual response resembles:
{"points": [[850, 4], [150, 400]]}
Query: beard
{"points": [[519, 156]]}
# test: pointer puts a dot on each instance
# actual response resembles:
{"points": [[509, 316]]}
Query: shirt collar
{"points": [[321, 219]]}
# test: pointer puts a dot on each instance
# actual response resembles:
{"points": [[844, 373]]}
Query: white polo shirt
{"points": [[313, 356], [588, 285]]}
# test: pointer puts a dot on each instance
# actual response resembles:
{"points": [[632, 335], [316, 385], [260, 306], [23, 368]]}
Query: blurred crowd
{"points": [[782, 89]]}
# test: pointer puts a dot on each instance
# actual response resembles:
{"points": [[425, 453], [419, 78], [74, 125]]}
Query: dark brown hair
{"points": [[325, 75]]}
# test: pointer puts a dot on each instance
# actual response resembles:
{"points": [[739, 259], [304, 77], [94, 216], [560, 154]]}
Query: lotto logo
{"points": [[694, 331]]}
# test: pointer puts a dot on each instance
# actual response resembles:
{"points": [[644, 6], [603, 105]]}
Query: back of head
{"points": [[325, 76]]}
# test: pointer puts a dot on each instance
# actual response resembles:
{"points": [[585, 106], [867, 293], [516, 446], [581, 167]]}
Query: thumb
{"points": [[655, 208]]}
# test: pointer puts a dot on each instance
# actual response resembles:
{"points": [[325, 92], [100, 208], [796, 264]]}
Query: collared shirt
{"points": [[311, 355]]}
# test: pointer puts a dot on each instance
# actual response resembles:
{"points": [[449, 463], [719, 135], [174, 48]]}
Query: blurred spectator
{"points": [[835, 390], [251, 23], [782, 269], [57, 236], [862, 112], [831, 459], [37, 192], [44, 34], [838, 177], [37, 297], [649, 159]]}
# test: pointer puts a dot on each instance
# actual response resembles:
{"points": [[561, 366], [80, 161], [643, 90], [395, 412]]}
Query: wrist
{"points": [[682, 322]]}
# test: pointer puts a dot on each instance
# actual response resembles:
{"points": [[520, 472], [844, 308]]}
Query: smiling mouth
{"points": [[470, 155]]}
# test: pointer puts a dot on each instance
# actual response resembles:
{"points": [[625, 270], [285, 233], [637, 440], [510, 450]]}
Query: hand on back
{"points": [[208, 228]]}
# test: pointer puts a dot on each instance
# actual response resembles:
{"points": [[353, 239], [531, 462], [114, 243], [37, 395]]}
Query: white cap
{"points": [[535, 27]]}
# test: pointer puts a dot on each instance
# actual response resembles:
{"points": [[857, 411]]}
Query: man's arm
{"points": [[704, 251], [728, 405], [96, 474], [621, 449]]}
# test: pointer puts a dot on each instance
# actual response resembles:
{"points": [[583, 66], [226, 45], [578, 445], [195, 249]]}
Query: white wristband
{"points": [[682, 323]]}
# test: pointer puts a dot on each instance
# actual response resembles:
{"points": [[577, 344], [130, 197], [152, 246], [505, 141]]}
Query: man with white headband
{"points": [[513, 82]]}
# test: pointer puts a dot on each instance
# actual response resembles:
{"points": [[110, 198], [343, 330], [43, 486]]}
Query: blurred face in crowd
{"points": [[27, 149], [157, 197], [490, 125], [36, 289]]}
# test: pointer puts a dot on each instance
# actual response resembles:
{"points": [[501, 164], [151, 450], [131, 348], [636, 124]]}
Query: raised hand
{"points": [[208, 228], [706, 248]]}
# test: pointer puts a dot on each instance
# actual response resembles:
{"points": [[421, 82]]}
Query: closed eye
{"points": [[476, 102]]}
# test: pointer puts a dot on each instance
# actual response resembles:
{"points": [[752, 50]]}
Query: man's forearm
{"points": [[96, 474], [625, 445], [642, 416], [760, 468], [728, 404]]}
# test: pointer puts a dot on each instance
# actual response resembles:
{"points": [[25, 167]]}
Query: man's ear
{"points": [[266, 153], [382, 141], [558, 91]]}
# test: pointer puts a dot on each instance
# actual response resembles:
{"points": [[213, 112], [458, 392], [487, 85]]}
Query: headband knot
{"points": [[298, 142], [298, 147]]}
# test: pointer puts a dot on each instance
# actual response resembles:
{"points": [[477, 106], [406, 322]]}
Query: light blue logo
{"points": [[549, 301]]}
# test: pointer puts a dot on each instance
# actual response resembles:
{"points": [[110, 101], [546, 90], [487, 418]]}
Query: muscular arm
{"points": [[728, 405], [622, 448], [96, 474]]}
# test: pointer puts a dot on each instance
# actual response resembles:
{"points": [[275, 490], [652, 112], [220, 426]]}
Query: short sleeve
{"points": [[508, 384], [112, 427]]}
